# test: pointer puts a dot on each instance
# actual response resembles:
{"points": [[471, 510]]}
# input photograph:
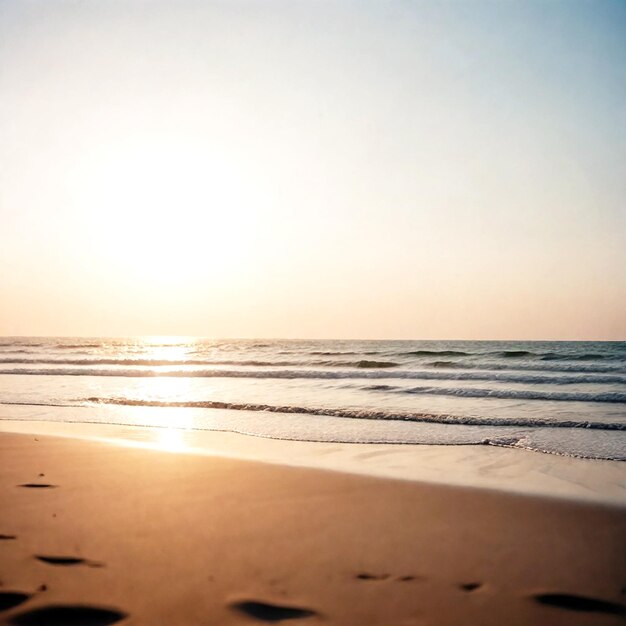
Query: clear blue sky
{"points": [[313, 169]]}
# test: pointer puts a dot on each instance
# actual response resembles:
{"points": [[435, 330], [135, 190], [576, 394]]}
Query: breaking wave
{"points": [[362, 413], [518, 394]]}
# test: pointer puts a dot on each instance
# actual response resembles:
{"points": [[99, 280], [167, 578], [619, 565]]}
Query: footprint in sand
{"points": [[67, 560], [68, 615], [9, 599], [571, 602], [37, 486], [470, 586], [7, 537], [366, 576], [271, 612], [374, 577]]}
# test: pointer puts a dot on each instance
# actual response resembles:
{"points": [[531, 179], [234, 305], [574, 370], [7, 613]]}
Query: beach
{"points": [[99, 532], [312, 313]]}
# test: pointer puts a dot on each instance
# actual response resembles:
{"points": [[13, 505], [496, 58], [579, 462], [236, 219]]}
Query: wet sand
{"points": [[93, 533]]}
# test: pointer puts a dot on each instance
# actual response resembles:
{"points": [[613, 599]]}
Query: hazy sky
{"points": [[313, 169]]}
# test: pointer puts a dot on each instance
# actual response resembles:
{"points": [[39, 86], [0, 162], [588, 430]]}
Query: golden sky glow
{"points": [[280, 169]]}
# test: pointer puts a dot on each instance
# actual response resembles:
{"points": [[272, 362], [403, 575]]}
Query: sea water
{"points": [[561, 397]]}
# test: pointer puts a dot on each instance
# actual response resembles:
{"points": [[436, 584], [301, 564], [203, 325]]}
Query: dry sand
{"points": [[93, 533]]}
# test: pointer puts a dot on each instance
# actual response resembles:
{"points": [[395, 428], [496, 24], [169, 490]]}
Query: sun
{"points": [[169, 211]]}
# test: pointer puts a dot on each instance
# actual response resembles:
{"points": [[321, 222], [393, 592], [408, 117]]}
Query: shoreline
{"points": [[131, 535], [509, 470]]}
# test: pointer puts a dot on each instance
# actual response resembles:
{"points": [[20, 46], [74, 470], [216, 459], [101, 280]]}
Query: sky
{"points": [[409, 170]]}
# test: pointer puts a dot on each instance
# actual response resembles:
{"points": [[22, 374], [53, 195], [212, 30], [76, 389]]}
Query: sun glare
{"points": [[168, 211], [163, 438], [168, 348], [171, 440], [167, 340]]}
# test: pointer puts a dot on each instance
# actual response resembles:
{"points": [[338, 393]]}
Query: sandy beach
{"points": [[312, 312], [95, 533]]}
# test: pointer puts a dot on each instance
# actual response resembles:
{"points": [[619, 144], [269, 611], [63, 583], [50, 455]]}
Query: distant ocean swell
{"points": [[33, 348], [362, 364], [515, 354], [543, 366], [291, 374]]}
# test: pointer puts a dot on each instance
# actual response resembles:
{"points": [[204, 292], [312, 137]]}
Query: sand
{"points": [[488, 467], [95, 533]]}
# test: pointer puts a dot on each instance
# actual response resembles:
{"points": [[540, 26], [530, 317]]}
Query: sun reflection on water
{"points": [[169, 348], [169, 426], [170, 440], [169, 429]]}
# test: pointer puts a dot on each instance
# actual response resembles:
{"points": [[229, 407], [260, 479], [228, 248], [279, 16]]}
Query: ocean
{"points": [[565, 398]]}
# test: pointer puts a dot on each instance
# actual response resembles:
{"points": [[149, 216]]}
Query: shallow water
{"points": [[561, 397]]}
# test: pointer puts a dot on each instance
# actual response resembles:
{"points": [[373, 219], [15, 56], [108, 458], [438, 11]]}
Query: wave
{"points": [[156, 362], [324, 353], [13, 352], [361, 413], [116, 344], [435, 353], [513, 354], [520, 394], [376, 364], [575, 357], [517, 354], [73, 346], [552, 356], [363, 364], [458, 375], [538, 366]]}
